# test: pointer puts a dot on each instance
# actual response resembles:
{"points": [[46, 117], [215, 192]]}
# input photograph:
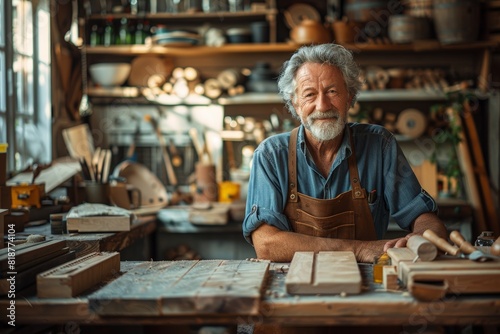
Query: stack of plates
{"points": [[177, 38]]}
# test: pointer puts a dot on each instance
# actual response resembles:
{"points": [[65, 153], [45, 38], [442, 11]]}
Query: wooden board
{"points": [[215, 214], [184, 288], [455, 275], [399, 255], [459, 281], [30, 252], [28, 277], [72, 278], [93, 217], [323, 273]]}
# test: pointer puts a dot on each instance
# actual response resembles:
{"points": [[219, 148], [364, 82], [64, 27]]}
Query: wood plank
{"points": [[443, 264], [480, 169], [93, 217], [301, 270], [215, 287], [72, 278], [27, 254], [28, 277], [333, 273], [459, 281], [470, 183], [184, 288], [139, 291]]}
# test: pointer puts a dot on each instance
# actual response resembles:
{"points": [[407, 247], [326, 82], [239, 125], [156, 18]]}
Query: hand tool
{"points": [[441, 243], [470, 251]]}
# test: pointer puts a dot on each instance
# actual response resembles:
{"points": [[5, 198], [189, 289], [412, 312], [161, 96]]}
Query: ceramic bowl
{"points": [[109, 74]]}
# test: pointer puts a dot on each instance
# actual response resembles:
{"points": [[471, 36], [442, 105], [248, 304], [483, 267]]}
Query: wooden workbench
{"points": [[373, 306], [85, 243]]}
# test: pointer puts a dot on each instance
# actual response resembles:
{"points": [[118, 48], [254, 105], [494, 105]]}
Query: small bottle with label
{"points": [[95, 38], [109, 36], [486, 238]]}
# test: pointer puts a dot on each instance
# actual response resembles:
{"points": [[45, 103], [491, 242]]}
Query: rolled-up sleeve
{"points": [[404, 194], [258, 216], [267, 189]]}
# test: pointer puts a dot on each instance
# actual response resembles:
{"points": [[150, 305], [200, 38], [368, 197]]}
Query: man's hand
{"points": [[398, 243]]}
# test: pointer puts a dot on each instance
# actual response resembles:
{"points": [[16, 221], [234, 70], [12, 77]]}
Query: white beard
{"points": [[325, 131]]}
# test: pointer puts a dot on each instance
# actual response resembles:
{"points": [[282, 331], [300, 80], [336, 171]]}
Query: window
{"points": [[25, 94]]}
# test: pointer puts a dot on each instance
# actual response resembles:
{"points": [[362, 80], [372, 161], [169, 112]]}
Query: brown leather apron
{"points": [[346, 216]]}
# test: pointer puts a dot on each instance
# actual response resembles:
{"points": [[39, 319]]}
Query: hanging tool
{"points": [[131, 154], [163, 145]]}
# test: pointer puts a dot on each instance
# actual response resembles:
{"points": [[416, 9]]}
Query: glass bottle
{"points": [[124, 36], [95, 38], [140, 35], [109, 36]]}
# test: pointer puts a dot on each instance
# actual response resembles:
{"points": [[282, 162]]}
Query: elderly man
{"points": [[330, 185]]}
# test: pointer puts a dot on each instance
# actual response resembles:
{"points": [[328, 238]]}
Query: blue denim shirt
{"points": [[382, 166]]}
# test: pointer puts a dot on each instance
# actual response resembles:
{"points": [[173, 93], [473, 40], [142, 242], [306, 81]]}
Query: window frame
{"points": [[17, 153]]}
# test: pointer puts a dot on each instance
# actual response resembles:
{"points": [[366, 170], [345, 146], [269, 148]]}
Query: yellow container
{"points": [[3, 163], [229, 191]]}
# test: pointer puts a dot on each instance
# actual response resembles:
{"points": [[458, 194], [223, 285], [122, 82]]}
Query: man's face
{"points": [[322, 100]]}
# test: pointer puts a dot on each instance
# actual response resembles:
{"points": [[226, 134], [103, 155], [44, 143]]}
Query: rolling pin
{"points": [[425, 250], [441, 243]]}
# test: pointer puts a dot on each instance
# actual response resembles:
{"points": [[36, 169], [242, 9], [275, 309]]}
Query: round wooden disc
{"points": [[144, 67], [411, 123]]}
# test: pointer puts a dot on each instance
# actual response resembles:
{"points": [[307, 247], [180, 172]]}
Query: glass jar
{"points": [[486, 238]]}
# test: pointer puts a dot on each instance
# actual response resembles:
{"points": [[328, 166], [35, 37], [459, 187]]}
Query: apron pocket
{"points": [[340, 226]]}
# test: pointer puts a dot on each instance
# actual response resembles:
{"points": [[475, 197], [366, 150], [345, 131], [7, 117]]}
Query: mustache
{"points": [[324, 114]]}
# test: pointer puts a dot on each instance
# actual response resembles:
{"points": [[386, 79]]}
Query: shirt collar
{"points": [[344, 150]]}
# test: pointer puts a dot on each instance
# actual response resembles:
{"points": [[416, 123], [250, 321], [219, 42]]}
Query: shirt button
{"points": [[254, 208]]}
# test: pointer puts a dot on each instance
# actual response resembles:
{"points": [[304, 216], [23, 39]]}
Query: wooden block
{"points": [[399, 255], [323, 273], [215, 214], [92, 217], [72, 278], [184, 288], [390, 278]]}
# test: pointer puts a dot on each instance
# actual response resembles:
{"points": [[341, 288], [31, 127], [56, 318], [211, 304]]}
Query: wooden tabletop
{"points": [[373, 306], [86, 243]]}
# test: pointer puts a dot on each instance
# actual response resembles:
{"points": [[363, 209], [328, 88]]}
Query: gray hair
{"points": [[330, 54]]}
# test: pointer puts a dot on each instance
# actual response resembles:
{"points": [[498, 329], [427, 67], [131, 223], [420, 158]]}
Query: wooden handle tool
{"points": [[441, 243], [425, 250], [465, 246]]}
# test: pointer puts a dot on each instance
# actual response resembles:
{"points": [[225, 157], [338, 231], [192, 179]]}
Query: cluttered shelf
{"points": [[265, 98], [427, 46]]}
